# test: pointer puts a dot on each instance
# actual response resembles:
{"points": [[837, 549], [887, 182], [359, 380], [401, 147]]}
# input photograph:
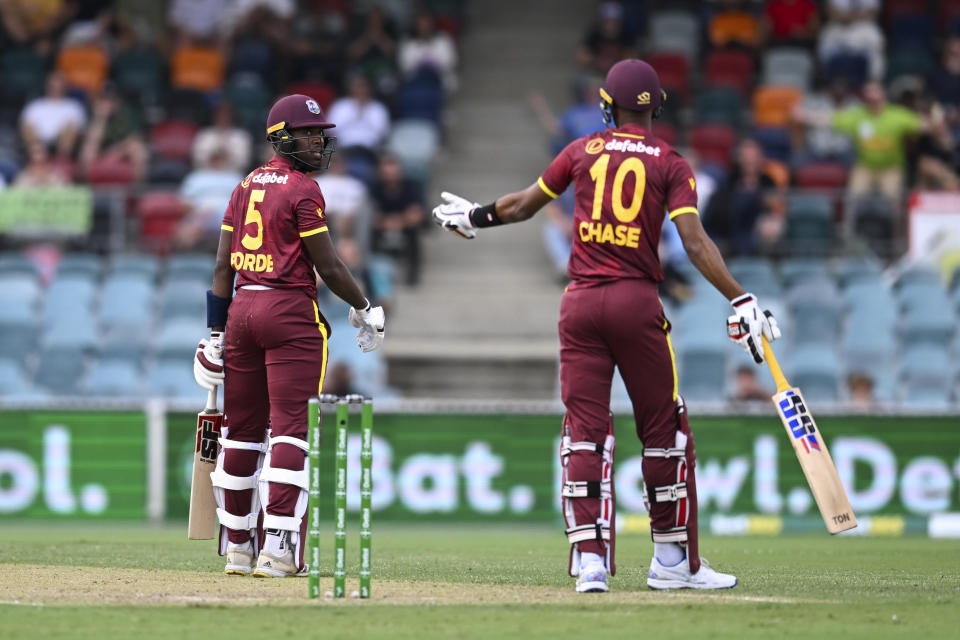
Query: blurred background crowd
{"points": [[812, 127]]}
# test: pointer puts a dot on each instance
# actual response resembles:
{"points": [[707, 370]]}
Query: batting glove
{"points": [[370, 321], [749, 323], [208, 361], [454, 215]]}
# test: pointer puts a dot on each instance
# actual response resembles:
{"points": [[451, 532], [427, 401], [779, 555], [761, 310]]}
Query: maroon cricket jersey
{"points": [[626, 180], [269, 212]]}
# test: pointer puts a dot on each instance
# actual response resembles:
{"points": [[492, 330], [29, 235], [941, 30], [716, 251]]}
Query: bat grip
{"points": [[778, 377], [211, 400]]}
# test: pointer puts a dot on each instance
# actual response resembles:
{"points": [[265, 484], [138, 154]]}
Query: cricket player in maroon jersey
{"points": [[270, 351], [626, 182]]}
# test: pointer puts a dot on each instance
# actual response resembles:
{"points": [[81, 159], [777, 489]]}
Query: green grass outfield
{"points": [[471, 581]]}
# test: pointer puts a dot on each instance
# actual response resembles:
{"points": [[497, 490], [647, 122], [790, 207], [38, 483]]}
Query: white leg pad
{"points": [[223, 481], [601, 489], [300, 479]]}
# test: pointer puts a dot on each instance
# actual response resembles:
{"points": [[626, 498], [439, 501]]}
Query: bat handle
{"points": [[211, 400], [778, 377]]}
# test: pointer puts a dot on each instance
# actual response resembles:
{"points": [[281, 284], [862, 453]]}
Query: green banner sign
{"points": [[72, 464], [51, 210]]}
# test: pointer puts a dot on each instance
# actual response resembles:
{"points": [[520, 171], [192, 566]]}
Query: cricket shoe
{"points": [[679, 576], [239, 559], [593, 579], [269, 566]]}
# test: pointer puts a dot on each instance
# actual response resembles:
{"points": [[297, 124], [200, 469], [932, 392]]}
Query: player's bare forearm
{"points": [[522, 205], [705, 256], [223, 273], [334, 273]]}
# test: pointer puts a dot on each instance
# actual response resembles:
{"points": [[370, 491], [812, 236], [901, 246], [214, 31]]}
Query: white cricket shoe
{"points": [[239, 559], [593, 579], [679, 577], [269, 566]]}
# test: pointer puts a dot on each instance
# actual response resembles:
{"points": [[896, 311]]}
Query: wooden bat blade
{"points": [[815, 460], [202, 523]]}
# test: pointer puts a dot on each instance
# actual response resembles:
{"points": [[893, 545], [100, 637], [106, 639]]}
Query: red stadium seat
{"points": [[158, 213], [324, 94], [110, 172], [821, 175], [713, 143], [674, 72], [173, 139], [729, 68]]}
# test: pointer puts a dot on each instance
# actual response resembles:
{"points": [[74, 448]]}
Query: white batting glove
{"points": [[370, 321], [749, 323], [208, 361], [454, 215]]}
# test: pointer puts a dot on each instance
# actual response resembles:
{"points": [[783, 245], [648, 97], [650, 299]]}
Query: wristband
{"points": [[485, 216], [217, 309]]}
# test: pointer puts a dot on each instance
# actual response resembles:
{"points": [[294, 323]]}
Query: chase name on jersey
{"points": [[629, 145]]}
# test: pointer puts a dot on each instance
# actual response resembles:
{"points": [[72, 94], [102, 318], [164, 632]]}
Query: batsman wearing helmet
{"points": [[627, 182], [268, 342]]}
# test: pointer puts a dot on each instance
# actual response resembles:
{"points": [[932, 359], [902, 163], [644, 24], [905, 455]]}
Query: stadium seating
{"points": [[110, 172], [713, 143], [823, 175], [675, 31], [84, 67], [177, 339], [197, 68], [184, 297], [159, 213], [775, 142], [926, 376], [816, 370], [796, 270], [23, 72], [734, 28], [324, 94], [772, 105], [817, 309], [114, 377], [674, 72], [251, 56], [414, 142], [719, 106], [189, 265], [810, 226], [173, 378], [729, 68], [140, 72], [788, 67]]}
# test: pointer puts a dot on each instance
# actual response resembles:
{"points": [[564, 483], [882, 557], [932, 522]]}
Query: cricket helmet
{"points": [[294, 112], [633, 85]]}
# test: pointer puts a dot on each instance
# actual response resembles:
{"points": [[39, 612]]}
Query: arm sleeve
{"points": [[558, 175], [681, 188], [846, 121], [311, 218]]}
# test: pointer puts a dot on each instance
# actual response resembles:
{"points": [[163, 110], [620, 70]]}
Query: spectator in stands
{"points": [[852, 29], [607, 41], [90, 23], [792, 21], [860, 386], [578, 120], [426, 46], [317, 42], [28, 23], [40, 170], [363, 122], [938, 160], [813, 134], [197, 22], [115, 134], [205, 194], [749, 199], [880, 131], [372, 51], [223, 136], [946, 80], [348, 204], [54, 120], [399, 216], [747, 387]]}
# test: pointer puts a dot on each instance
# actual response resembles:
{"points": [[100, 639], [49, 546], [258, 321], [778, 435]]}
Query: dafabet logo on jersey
{"points": [[595, 146]]}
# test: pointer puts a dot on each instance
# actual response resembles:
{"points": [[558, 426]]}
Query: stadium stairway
{"points": [[482, 323]]}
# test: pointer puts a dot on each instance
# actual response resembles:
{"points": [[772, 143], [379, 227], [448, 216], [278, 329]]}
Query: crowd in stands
{"points": [[159, 109], [808, 124]]}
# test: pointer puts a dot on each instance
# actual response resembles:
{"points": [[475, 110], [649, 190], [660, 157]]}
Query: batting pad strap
{"points": [[586, 489], [297, 442], [287, 523], [669, 493], [597, 531], [604, 449], [237, 523], [222, 479], [286, 476], [674, 534], [674, 452], [238, 444]]}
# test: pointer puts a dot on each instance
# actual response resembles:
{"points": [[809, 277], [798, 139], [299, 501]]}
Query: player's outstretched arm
{"points": [[463, 217], [748, 321]]}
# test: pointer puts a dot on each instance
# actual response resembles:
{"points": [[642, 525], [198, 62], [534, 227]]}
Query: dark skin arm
{"points": [[705, 256], [223, 273], [520, 206], [335, 274]]}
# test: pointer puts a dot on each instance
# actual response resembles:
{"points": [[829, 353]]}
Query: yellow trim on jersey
{"points": [[673, 358], [629, 135], [312, 232], [546, 189], [682, 210], [276, 127], [323, 332], [226, 227]]}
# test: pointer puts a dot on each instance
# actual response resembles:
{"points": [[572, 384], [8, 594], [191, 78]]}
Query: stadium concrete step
{"points": [[483, 321]]}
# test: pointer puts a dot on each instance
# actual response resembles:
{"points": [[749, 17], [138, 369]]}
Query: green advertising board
{"points": [[505, 467], [73, 464]]}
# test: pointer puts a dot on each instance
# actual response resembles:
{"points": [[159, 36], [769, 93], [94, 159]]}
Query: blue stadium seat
{"points": [[414, 142], [126, 302], [817, 309], [173, 378], [114, 377], [133, 263], [923, 295], [80, 264], [919, 274], [69, 296], [21, 288], [675, 31], [788, 66], [702, 365], [75, 332], [18, 327], [184, 297], [177, 339], [797, 270], [851, 269], [15, 263], [718, 105], [251, 55], [420, 97], [926, 376], [369, 373], [190, 265], [60, 371], [758, 276], [810, 226], [775, 142], [816, 370], [932, 325], [14, 381]]}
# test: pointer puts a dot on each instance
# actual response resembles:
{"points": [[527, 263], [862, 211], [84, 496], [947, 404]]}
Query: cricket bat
{"points": [[202, 523], [811, 450]]}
